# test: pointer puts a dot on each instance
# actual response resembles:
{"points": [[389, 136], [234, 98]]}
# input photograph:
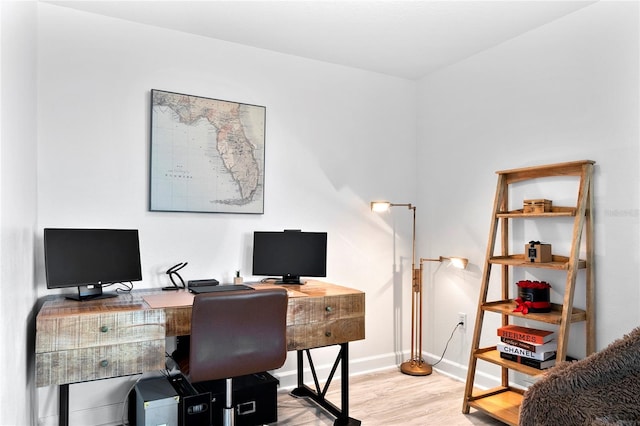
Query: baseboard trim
{"points": [[111, 415], [106, 415]]}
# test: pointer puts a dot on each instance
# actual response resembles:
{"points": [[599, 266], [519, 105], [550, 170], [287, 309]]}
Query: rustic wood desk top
{"points": [[125, 335], [156, 298]]}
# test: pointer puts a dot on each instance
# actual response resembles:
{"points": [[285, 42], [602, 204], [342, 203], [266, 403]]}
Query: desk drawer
{"points": [[303, 310], [178, 320], [80, 365], [333, 332], [86, 331]]}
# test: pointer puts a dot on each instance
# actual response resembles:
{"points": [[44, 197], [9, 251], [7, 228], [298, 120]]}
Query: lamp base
{"points": [[416, 368]]}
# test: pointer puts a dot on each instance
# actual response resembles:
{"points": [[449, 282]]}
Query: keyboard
{"points": [[214, 288]]}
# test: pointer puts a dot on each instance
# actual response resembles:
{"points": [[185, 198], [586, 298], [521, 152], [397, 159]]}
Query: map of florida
{"points": [[236, 150]]}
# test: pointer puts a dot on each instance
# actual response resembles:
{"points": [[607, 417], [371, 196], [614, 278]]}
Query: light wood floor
{"points": [[388, 398]]}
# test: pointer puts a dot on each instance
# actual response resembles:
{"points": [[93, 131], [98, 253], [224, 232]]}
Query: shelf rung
{"points": [[502, 404], [555, 212], [506, 307], [558, 262], [492, 355]]}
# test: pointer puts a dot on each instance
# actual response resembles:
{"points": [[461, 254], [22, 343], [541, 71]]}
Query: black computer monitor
{"points": [[290, 255], [89, 258]]}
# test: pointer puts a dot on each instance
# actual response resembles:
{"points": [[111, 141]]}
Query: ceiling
{"points": [[406, 39]]}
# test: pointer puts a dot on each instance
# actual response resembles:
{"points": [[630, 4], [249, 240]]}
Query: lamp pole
{"points": [[415, 365]]}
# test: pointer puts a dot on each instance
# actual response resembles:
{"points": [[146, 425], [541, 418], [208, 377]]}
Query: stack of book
{"points": [[528, 346]]}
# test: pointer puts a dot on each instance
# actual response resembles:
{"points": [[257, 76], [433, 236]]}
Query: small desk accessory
{"points": [[173, 274]]}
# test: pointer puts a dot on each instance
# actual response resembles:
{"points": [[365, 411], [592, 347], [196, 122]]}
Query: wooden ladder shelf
{"points": [[503, 402]]}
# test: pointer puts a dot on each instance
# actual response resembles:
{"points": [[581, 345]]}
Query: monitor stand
{"points": [[290, 279], [90, 292]]}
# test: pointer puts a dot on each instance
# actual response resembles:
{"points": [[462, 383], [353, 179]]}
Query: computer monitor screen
{"points": [[90, 258], [290, 255]]}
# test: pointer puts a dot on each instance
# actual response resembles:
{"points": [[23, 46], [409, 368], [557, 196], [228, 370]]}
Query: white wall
{"points": [[566, 91], [18, 118], [336, 138]]}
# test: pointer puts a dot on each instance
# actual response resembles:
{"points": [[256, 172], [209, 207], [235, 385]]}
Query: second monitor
{"points": [[290, 254]]}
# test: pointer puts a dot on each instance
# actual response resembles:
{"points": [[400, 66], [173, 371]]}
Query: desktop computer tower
{"points": [[156, 402]]}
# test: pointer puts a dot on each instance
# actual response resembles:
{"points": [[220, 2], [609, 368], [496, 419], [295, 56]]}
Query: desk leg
{"points": [[63, 405], [344, 385], [318, 396]]}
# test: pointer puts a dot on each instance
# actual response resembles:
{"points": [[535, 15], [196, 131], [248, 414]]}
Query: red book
{"points": [[526, 334]]}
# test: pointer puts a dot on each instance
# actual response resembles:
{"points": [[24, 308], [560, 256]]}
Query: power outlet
{"points": [[462, 320]]}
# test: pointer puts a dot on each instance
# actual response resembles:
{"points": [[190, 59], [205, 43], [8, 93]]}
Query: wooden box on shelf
{"points": [[538, 252], [537, 206]]}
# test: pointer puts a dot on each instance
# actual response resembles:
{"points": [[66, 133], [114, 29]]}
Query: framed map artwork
{"points": [[207, 155]]}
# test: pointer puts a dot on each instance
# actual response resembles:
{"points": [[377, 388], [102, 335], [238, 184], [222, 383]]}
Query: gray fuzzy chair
{"points": [[602, 389]]}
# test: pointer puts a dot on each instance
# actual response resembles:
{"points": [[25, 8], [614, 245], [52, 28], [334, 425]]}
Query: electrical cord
{"points": [[127, 289], [125, 404], [447, 344], [128, 286]]}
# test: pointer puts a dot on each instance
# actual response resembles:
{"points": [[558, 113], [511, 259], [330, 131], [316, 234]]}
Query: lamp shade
{"points": [[380, 206], [459, 262]]}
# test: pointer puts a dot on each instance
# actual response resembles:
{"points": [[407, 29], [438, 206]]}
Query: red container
{"points": [[533, 296]]}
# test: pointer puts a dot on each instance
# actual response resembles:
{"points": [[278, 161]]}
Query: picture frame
{"points": [[206, 155]]}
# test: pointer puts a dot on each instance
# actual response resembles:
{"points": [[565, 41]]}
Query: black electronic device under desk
{"points": [[195, 407], [255, 399]]}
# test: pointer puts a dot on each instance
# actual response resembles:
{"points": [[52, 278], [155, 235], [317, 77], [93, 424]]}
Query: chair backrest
{"points": [[237, 333]]}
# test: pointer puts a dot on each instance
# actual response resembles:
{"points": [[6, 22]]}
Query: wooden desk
{"points": [[106, 338]]}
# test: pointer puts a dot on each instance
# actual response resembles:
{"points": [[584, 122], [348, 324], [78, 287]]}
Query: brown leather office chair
{"points": [[235, 333]]}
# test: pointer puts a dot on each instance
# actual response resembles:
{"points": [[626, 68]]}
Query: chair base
{"points": [[227, 413], [228, 418]]}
